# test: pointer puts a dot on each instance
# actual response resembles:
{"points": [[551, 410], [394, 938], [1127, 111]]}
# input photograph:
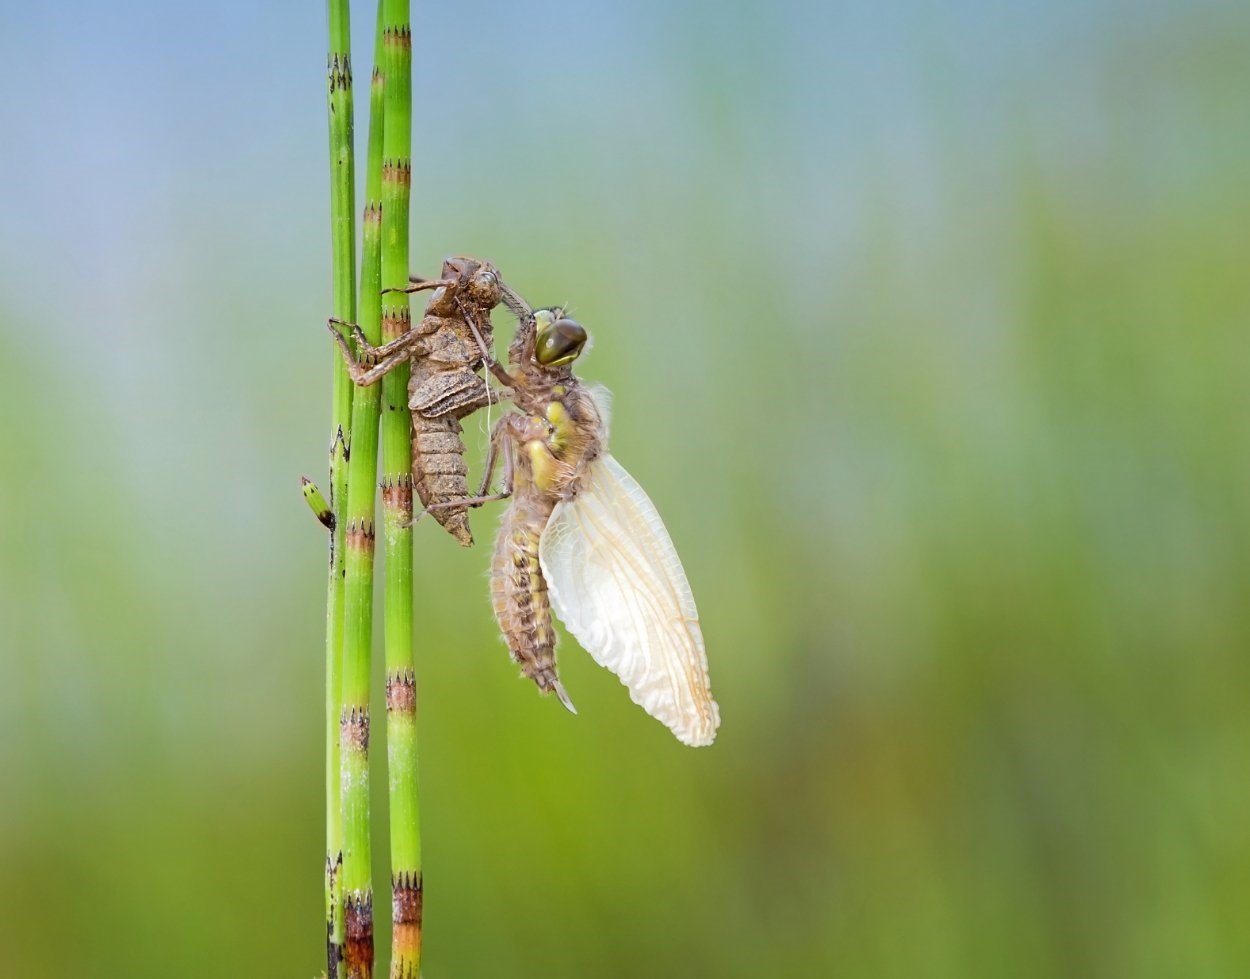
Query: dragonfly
{"points": [[446, 351], [580, 536]]}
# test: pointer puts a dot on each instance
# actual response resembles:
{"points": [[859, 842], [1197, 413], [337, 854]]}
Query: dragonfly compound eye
{"points": [[559, 342]]}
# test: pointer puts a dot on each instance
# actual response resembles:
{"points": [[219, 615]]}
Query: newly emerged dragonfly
{"points": [[446, 350], [580, 535]]}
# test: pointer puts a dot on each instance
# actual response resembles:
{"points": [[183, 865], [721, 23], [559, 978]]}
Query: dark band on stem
{"points": [[339, 70], [358, 950], [397, 172], [401, 692], [406, 910], [399, 35], [396, 321], [334, 956], [397, 495], [354, 729], [360, 536], [334, 950]]}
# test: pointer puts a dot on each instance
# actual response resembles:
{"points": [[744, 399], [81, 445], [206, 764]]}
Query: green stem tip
{"points": [[319, 505]]}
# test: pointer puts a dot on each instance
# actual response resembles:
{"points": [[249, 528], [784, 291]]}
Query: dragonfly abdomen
{"points": [[519, 595]]}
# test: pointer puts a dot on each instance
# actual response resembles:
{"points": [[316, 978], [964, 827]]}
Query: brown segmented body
{"points": [[519, 591], [445, 386]]}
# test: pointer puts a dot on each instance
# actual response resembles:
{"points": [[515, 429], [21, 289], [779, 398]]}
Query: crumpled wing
{"points": [[616, 582]]}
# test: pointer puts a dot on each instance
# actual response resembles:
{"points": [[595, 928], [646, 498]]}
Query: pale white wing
{"points": [[616, 582], [602, 398]]}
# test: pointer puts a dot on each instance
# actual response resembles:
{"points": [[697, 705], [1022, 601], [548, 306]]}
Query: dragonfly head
{"points": [[558, 340]]}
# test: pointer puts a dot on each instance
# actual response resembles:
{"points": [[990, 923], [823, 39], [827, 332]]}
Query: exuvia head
{"points": [[478, 281], [483, 288], [558, 340]]}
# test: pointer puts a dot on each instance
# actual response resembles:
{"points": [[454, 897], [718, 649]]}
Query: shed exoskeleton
{"points": [[446, 350]]}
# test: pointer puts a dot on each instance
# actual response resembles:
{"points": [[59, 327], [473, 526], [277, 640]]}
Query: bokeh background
{"points": [[927, 326]]}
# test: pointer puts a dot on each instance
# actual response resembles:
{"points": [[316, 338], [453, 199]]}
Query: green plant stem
{"points": [[343, 252], [401, 716], [358, 599]]}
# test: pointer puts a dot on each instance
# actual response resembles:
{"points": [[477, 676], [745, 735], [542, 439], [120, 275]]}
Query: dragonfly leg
{"points": [[500, 435], [418, 284], [369, 354], [488, 355], [471, 501], [361, 373], [464, 501]]}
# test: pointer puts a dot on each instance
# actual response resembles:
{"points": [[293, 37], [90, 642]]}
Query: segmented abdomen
{"points": [[439, 473], [519, 593]]}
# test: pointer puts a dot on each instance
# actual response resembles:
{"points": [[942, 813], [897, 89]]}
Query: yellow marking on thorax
{"points": [[543, 464], [565, 428]]}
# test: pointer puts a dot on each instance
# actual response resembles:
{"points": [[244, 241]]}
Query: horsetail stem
{"points": [[357, 882], [401, 726], [343, 251]]}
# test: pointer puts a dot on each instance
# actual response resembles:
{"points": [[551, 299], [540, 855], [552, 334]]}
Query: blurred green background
{"points": [[927, 328]]}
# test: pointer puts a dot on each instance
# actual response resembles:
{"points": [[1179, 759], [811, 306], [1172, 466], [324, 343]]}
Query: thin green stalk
{"points": [[401, 715], [343, 249], [358, 603]]}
